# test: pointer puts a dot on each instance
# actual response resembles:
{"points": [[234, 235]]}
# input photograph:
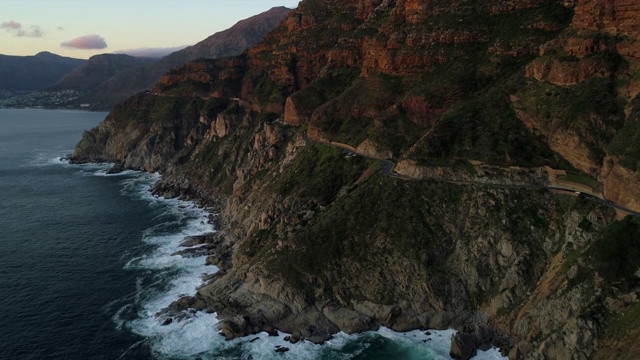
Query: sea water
{"points": [[86, 263]]}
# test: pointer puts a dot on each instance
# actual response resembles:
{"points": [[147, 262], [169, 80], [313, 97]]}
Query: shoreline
{"points": [[216, 248], [239, 325]]}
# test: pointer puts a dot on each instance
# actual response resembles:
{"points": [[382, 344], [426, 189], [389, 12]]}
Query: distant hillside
{"points": [[230, 42], [29, 73], [97, 70]]}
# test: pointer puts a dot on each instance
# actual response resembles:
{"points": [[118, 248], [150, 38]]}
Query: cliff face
{"points": [[588, 77], [318, 241]]}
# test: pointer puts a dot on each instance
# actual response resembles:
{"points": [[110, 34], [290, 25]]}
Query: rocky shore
{"points": [[273, 308], [250, 303]]}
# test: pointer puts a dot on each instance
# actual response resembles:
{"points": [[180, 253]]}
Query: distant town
{"points": [[54, 99]]}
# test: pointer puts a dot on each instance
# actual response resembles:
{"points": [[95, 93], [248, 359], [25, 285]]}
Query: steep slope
{"points": [[312, 241], [581, 95], [29, 73]]}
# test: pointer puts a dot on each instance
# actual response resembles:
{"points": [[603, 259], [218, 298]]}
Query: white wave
{"points": [[104, 172], [58, 161], [174, 275], [42, 159], [90, 169], [491, 354], [117, 318], [192, 336], [45, 159]]}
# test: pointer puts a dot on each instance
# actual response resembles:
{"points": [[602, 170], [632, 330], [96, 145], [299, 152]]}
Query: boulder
{"points": [[462, 346], [116, 168], [347, 320]]}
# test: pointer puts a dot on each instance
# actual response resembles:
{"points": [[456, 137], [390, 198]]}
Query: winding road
{"points": [[388, 166]]}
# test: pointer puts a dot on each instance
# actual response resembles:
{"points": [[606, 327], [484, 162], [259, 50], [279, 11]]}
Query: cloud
{"points": [[88, 42], [18, 30], [34, 31], [11, 26], [151, 52]]}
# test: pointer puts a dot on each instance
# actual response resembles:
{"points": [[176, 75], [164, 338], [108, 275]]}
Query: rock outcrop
{"points": [[512, 176]]}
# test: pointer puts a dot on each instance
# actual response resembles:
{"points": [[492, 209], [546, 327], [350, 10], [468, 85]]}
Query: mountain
{"points": [[30, 73], [230, 42], [495, 191], [97, 70], [128, 81]]}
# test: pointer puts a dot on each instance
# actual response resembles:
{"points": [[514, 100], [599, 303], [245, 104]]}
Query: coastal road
{"points": [[388, 166], [598, 200]]}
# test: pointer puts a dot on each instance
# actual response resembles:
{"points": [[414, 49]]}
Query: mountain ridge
{"points": [[28, 73]]}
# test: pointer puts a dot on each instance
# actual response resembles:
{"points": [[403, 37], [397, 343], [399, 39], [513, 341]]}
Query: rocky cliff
{"points": [[313, 241], [584, 87]]}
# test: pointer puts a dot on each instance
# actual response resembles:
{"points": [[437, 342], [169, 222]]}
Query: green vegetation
{"points": [[363, 112], [569, 108], [482, 124], [380, 222], [190, 88], [581, 109], [365, 229], [580, 178], [320, 172], [486, 129], [329, 85], [616, 252], [266, 91], [213, 106], [626, 143], [619, 325], [211, 162]]}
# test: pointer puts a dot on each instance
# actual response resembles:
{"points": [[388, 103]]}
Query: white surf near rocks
{"points": [[169, 277]]}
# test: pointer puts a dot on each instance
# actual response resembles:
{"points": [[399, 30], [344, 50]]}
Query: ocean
{"points": [[86, 263]]}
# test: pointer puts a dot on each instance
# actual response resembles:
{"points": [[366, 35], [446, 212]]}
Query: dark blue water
{"points": [[64, 236], [86, 263]]}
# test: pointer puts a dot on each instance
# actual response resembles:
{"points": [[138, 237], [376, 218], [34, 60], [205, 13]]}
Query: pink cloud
{"points": [[18, 30], [88, 42]]}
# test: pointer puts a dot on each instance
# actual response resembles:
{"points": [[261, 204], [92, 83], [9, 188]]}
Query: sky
{"points": [[83, 28]]}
